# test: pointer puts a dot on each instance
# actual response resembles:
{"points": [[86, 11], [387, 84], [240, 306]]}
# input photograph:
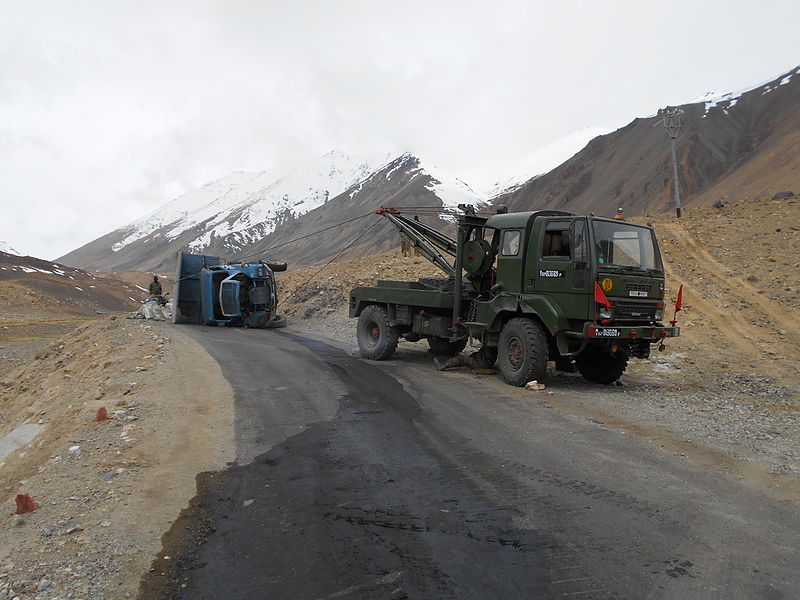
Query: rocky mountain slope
{"points": [[735, 145], [401, 183], [248, 212]]}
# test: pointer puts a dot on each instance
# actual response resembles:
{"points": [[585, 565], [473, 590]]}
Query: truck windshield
{"points": [[625, 245]]}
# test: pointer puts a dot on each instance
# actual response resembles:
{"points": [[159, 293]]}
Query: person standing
{"points": [[155, 288]]}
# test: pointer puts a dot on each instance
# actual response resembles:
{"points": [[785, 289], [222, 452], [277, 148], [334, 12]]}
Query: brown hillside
{"points": [[42, 299], [742, 148]]}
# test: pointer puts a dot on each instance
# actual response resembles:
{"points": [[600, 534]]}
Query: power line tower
{"points": [[672, 123]]}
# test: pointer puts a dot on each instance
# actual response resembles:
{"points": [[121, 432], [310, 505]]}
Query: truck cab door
{"points": [[579, 252], [558, 264], [510, 260]]}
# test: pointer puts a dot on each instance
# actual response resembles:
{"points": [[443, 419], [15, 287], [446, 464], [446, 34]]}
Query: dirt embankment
{"points": [[740, 268], [107, 490]]}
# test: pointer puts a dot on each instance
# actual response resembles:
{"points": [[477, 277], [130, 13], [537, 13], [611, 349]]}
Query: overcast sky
{"points": [[109, 109]]}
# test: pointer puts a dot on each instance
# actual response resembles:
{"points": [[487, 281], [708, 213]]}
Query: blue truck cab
{"points": [[212, 292]]}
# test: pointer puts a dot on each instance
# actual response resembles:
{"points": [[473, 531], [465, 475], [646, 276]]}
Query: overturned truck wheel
{"points": [[377, 339]]}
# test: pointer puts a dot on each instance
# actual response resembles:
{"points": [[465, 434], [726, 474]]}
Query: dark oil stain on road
{"points": [[357, 507]]}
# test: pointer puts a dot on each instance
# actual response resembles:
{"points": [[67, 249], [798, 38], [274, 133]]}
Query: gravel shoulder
{"points": [[107, 490]]}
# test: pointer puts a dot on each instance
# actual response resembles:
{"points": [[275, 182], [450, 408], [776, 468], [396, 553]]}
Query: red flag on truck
{"points": [[599, 296], [679, 301]]}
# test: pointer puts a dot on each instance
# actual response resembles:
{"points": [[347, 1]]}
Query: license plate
{"points": [[606, 332], [637, 294]]}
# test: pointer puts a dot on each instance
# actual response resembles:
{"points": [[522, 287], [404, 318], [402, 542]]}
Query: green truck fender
{"points": [[503, 305], [358, 306]]}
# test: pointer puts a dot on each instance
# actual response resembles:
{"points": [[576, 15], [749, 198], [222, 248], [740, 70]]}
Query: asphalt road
{"points": [[358, 479]]}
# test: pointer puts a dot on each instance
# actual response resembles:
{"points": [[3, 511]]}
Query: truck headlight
{"points": [[659, 314]]}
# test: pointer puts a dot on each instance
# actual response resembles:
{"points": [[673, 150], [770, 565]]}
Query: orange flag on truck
{"points": [[599, 296]]}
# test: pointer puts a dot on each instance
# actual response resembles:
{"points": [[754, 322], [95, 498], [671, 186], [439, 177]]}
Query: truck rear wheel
{"points": [[377, 340], [522, 351], [599, 365], [446, 347]]}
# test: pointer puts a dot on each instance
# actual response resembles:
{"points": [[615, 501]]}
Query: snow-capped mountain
{"points": [[238, 211], [226, 208], [7, 249]]}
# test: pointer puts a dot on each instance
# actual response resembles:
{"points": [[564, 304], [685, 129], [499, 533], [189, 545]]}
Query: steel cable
{"points": [[246, 256], [342, 251]]}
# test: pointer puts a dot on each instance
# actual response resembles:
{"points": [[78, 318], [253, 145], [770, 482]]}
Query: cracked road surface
{"points": [[358, 479]]}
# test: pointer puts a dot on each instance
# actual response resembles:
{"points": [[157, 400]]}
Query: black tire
{"points": [[565, 364], [522, 351], [599, 365], [446, 347], [377, 340], [276, 322]]}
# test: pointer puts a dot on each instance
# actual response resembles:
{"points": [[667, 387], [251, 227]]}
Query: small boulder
{"points": [[534, 386]]}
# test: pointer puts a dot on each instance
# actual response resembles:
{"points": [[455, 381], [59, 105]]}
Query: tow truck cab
{"points": [[558, 261]]}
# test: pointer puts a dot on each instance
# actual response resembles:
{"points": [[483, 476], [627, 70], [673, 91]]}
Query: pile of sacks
{"points": [[151, 309]]}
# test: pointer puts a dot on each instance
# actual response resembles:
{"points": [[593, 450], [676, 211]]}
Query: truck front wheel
{"points": [[522, 351], [377, 340], [599, 365]]}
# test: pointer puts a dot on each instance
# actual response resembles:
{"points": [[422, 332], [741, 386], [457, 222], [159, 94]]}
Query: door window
{"points": [[556, 240], [510, 245]]}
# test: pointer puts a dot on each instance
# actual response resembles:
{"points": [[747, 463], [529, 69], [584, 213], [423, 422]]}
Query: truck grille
{"points": [[259, 295], [634, 311], [639, 287]]}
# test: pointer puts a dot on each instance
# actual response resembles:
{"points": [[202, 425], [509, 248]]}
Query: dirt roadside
{"points": [[107, 490]]}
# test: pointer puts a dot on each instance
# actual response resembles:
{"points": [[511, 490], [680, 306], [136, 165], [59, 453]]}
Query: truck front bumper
{"points": [[650, 333]]}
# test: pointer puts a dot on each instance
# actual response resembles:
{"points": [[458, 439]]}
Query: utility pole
{"points": [[672, 123]]}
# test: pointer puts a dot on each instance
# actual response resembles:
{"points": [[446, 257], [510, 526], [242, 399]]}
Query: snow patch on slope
{"points": [[727, 100], [7, 249]]}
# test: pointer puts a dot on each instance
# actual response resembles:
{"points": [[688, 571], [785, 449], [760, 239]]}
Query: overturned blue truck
{"points": [[212, 292]]}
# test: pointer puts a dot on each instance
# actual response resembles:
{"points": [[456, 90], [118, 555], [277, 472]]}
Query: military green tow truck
{"points": [[584, 291]]}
